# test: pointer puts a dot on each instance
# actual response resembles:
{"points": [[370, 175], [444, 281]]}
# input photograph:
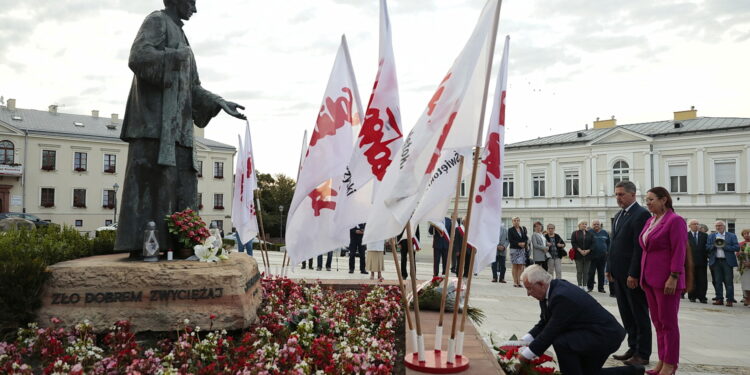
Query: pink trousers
{"points": [[663, 309]]}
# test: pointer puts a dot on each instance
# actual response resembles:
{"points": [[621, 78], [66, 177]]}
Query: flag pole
{"points": [[446, 270], [415, 296], [404, 298], [262, 247], [467, 221]]}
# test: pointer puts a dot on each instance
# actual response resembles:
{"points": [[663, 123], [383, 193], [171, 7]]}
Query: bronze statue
{"points": [[166, 99]]}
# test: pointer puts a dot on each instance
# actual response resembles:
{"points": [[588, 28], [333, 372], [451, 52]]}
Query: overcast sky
{"points": [[570, 60]]}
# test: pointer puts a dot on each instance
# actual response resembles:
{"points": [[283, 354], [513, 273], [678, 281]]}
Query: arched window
{"points": [[7, 152], [620, 171]]}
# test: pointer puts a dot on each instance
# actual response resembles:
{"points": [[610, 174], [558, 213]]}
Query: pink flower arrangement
{"points": [[188, 227], [301, 329]]}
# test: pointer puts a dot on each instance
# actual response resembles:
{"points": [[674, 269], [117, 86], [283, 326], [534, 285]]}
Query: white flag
{"points": [[237, 192], [450, 120], [311, 230], [441, 188], [244, 216], [379, 139], [486, 213]]}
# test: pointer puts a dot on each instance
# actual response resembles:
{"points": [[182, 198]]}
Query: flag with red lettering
{"points": [[436, 201], [450, 120], [379, 139], [487, 210], [311, 230], [244, 216]]}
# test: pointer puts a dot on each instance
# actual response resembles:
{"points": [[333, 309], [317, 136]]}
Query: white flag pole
{"points": [[415, 296], [454, 220], [412, 336], [467, 221]]}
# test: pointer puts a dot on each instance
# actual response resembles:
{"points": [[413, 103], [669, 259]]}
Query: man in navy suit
{"points": [[697, 241], [723, 260], [440, 242], [356, 248], [624, 271], [581, 331]]}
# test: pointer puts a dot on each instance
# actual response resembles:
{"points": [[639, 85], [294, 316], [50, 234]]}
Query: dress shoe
{"points": [[328, 268], [624, 356], [602, 291], [718, 302], [351, 271], [502, 281], [704, 301], [636, 360], [692, 299], [729, 303], [363, 272], [494, 280]]}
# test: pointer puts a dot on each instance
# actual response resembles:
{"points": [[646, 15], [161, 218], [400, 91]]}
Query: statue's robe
{"points": [[166, 99]]}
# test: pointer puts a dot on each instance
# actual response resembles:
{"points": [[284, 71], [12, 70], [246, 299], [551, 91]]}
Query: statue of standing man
{"points": [[166, 99]]}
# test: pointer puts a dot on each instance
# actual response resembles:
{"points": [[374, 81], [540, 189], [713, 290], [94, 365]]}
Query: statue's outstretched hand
{"points": [[231, 109]]}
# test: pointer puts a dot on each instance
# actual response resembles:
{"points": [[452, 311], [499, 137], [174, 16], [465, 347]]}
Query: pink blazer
{"points": [[664, 251]]}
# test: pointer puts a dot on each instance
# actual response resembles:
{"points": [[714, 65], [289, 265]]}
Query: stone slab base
{"points": [[153, 296]]}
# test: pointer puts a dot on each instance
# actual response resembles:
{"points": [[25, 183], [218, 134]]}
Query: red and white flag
{"points": [[311, 230], [442, 187], [244, 216], [379, 139], [450, 120], [486, 213]]}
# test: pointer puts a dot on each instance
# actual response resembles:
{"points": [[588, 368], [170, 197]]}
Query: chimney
{"points": [[115, 118], [11, 104], [95, 113], [683, 115], [605, 124], [53, 109], [198, 132]]}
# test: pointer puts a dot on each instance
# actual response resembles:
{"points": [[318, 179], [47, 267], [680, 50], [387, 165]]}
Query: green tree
{"points": [[275, 191]]}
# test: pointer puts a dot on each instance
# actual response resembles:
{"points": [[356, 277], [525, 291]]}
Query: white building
{"points": [[64, 168], [703, 161]]}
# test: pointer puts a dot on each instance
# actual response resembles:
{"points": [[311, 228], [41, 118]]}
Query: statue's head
{"points": [[185, 8]]}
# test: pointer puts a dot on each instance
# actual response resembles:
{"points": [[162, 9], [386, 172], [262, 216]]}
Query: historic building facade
{"points": [[703, 161], [68, 168]]}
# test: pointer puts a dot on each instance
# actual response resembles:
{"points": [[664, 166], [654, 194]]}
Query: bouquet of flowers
{"points": [[507, 357], [188, 227], [431, 293], [209, 252]]}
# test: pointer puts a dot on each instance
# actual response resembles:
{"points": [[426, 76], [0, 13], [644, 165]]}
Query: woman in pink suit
{"points": [[663, 274]]}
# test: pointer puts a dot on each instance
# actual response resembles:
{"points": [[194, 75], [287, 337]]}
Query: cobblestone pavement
{"points": [[714, 339]]}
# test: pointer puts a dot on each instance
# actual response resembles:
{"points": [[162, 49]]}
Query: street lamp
{"points": [[115, 187], [281, 222]]}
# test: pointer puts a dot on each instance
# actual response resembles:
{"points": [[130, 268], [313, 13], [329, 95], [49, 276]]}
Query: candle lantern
{"points": [[150, 243]]}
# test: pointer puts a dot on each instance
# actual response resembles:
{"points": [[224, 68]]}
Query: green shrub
{"points": [[24, 257], [229, 242], [104, 242]]}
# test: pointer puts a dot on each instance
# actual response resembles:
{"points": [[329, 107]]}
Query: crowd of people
{"points": [[650, 263]]}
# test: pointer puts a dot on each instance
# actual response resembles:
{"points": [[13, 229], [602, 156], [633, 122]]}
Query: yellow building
{"points": [[67, 168]]}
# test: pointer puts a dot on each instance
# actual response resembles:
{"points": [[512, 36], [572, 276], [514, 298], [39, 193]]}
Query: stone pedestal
{"points": [[153, 296]]}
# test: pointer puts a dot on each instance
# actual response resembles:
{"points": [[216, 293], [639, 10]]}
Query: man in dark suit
{"points": [[581, 331], [356, 248], [440, 242], [697, 241], [404, 249], [624, 270]]}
